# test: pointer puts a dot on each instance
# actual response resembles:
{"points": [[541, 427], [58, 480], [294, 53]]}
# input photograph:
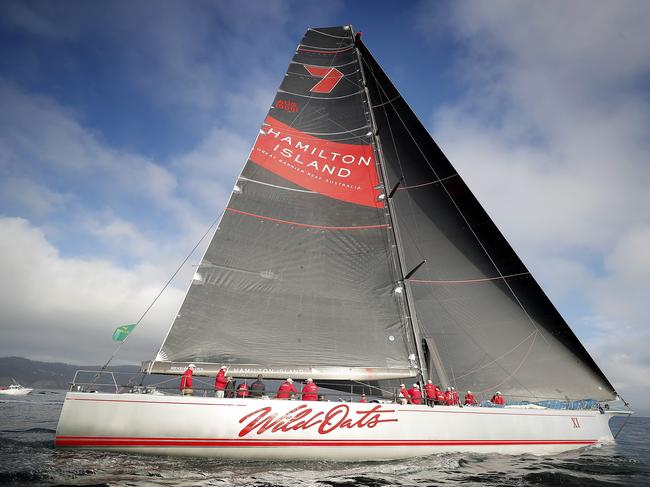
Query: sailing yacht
{"points": [[351, 251]]}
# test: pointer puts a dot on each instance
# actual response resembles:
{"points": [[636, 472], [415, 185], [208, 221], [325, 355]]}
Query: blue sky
{"points": [[124, 124]]}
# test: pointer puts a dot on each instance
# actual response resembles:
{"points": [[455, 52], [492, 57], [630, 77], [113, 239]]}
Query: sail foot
{"points": [[297, 372]]}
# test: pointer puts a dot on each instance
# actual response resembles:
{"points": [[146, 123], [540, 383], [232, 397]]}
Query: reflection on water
{"points": [[27, 457]]}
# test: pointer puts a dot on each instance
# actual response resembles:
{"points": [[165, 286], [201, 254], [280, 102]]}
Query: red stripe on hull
{"points": [[206, 442]]}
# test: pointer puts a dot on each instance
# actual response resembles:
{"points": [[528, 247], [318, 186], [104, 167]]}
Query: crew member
{"points": [[220, 382], [454, 397], [449, 398], [363, 398], [258, 388], [440, 396], [416, 394], [310, 391], [186, 381], [430, 392], [286, 390], [242, 390], [497, 399], [470, 400], [403, 394]]}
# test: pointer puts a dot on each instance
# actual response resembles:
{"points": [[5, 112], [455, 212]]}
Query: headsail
{"points": [[298, 275], [479, 309]]}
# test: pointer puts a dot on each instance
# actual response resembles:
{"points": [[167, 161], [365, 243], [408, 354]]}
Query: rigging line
{"points": [[404, 188], [277, 186], [495, 360], [328, 35], [372, 387], [405, 305], [462, 215], [306, 225], [399, 161], [387, 102], [321, 97], [159, 294], [536, 333], [468, 281]]}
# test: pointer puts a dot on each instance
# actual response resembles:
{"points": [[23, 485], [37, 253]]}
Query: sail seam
{"points": [[328, 35], [323, 66], [300, 132], [321, 97], [468, 281], [301, 49], [307, 225], [277, 186]]}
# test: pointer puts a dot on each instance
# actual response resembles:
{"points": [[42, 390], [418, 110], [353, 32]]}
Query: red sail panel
{"points": [[345, 172]]}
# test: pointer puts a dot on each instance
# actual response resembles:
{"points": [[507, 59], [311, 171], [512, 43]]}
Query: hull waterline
{"points": [[297, 430]]}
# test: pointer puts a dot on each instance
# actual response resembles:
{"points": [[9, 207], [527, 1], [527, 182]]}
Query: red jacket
{"points": [[416, 396], [405, 393], [363, 399], [498, 400], [186, 380], [449, 398], [242, 390], [454, 398], [310, 392], [440, 396], [470, 400], [285, 390], [430, 391], [220, 383]]}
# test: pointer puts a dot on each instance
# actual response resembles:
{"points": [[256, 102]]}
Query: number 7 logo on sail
{"points": [[331, 78]]}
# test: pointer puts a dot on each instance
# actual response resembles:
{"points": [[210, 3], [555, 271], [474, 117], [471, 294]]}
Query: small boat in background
{"points": [[15, 389]]}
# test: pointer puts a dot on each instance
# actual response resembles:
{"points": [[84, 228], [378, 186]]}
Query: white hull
{"points": [[22, 391], [268, 429]]}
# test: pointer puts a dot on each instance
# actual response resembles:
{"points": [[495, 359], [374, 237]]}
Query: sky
{"points": [[123, 126]]}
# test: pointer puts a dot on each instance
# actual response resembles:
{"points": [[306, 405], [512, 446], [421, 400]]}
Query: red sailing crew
{"points": [[220, 382], [416, 394], [186, 381], [403, 394], [310, 391], [470, 400], [286, 389], [242, 390], [497, 399]]}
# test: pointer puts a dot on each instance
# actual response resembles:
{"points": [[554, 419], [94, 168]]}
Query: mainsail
{"points": [[298, 277], [350, 245]]}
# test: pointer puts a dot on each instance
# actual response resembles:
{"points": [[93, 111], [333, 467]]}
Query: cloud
{"points": [[57, 308], [550, 132]]}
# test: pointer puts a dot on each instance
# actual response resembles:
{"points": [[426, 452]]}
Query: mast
{"points": [[393, 222]]}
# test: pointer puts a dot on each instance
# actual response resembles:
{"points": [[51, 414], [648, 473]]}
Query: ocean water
{"points": [[28, 457]]}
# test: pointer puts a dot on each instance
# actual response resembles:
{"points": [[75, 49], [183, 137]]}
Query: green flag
{"points": [[121, 332]]}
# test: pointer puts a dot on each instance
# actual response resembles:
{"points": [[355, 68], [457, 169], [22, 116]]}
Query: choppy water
{"points": [[28, 457]]}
